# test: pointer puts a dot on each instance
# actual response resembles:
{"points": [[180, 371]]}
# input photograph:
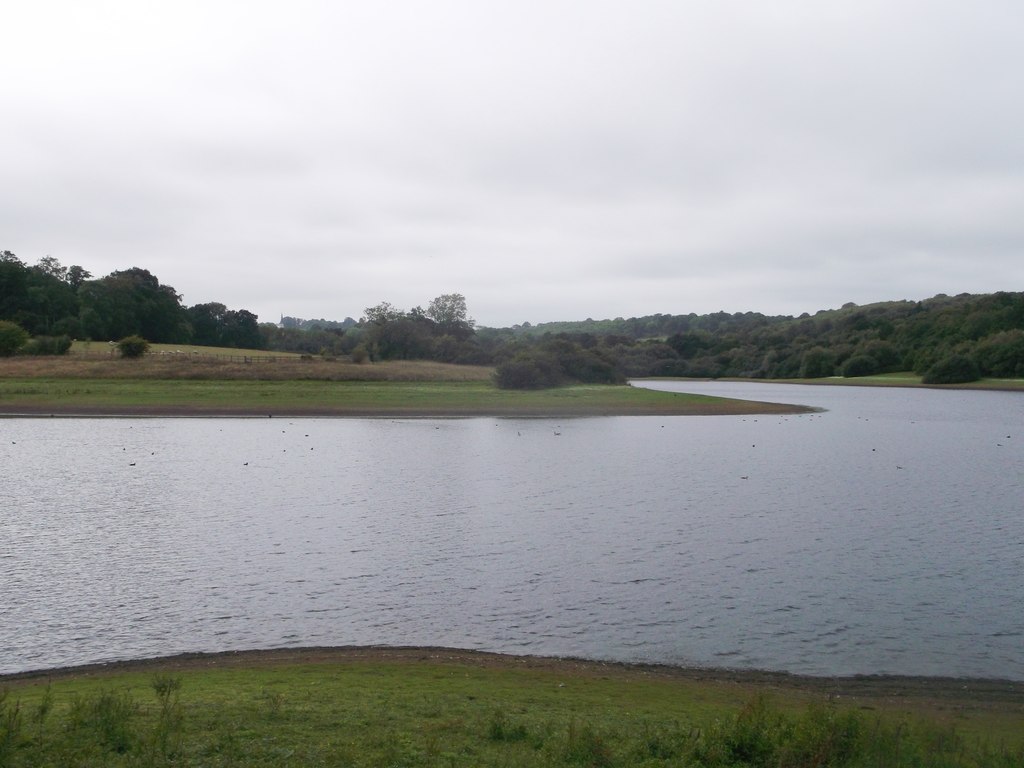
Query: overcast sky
{"points": [[548, 159]]}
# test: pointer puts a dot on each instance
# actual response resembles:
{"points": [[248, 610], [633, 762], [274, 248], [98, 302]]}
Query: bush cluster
{"points": [[132, 346], [953, 369], [554, 364]]}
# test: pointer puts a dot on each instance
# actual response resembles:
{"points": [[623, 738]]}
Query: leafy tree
{"points": [[241, 330], [132, 302], [691, 343], [449, 308], [12, 338], [382, 313], [449, 312], [404, 338], [1001, 354], [206, 321], [817, 363], [77, 275], [13, 286], [51, 299], [884, 353], [50, 266], [132, 346], [526, 372]]}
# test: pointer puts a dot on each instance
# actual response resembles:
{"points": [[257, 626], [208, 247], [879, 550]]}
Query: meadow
{"points": [[431, 707], [184, 381]]}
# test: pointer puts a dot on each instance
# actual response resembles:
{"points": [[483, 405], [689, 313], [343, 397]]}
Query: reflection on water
{"points": [[883, 535]]}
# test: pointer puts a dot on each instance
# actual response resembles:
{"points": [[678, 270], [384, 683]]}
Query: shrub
{"points": [[860, 365], [12, 338], [47, 345], [133, 346], [589, 367], [524, 373], [953, 369], [500, 729]]}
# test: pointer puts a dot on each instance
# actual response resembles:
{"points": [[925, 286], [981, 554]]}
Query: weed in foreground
{"points": [[110, 728], [105, 718], [10, 726], [500, 729]]}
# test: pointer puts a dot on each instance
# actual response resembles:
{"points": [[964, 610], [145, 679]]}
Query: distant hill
{"points": [[978, 334]]}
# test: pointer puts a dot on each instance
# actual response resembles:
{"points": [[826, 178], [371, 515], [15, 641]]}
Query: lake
{"points": [[883, 535]]}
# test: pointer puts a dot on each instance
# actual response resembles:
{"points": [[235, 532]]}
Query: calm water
{"points": [[884, 535]]}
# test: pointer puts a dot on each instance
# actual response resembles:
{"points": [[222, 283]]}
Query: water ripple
{"points": [[626, 540]]}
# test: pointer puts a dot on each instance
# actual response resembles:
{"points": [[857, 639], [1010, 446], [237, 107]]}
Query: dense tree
{"points": [[241, 329], [817, 363], [1001, 354], [12, 338], [449, 312], [382, 313], [525, 372], [52, 300], [442, 332], [13, 287], [77, 275], [214, 325], [132, 302], [860, 365], [206, 321], [38, 298]]}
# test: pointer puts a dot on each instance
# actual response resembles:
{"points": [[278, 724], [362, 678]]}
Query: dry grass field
{"points": [[237, 366]]}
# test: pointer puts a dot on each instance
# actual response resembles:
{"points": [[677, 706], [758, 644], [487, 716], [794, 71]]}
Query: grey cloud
{"points": [[549, 160]]}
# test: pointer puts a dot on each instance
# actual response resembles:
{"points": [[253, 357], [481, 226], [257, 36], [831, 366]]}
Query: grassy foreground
{"points": [[436, 708]]}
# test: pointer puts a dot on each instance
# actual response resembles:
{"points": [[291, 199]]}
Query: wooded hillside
{"points": [[945, 338]]}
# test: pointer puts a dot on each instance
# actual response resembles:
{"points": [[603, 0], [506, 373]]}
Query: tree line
{"points": [[49, 301], [944, 338]]}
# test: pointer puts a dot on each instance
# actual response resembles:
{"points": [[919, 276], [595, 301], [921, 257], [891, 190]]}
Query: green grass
{"points": [[297, 397], [906, 379], [432, 713]]}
